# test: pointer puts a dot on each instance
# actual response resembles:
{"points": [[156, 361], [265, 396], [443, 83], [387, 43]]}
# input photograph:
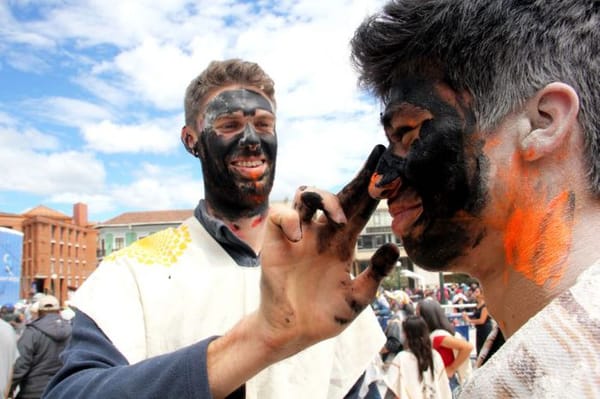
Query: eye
{"points": [[401, 131], [228, 126], [264, 125]]}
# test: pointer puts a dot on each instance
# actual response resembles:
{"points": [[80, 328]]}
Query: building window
{"points": [[119, 243]]}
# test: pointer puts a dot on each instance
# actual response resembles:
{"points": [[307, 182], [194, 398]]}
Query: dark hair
{"points": [[417, 341], [500, 51], [435, 317], [221, 73]]}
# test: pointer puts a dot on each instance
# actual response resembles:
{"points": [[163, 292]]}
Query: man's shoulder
{"points": [[525, 366], [164, 247]]}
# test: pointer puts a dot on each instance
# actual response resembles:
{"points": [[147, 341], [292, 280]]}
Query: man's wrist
{"points": [[240, 354]]}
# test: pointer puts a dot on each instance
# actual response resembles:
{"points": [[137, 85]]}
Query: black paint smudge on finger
{"points": [[310, 202], [384, 260]]}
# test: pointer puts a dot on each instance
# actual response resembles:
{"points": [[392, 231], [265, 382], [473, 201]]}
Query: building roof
{"points": [[149, 217], [6, 214], [44, 211]]}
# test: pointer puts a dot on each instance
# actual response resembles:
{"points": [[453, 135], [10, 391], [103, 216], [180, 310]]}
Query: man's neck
{"points": [[250, 229], [512, 298]]}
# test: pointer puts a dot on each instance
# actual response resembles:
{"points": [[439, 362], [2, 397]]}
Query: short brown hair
{"points": [[222, 73]]}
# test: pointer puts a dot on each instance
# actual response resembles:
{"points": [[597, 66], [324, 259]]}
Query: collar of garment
{"points": [[239, 251]]}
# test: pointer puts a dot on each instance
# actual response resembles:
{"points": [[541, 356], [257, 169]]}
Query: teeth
{"points": [[249, 164]]}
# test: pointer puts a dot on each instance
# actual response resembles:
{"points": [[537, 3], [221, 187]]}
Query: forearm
{"points": [[462, 356], [238, 355], [94, 368]]}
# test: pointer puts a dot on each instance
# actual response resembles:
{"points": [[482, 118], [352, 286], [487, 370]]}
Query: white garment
{"points": [[177, 287], [402, 378], [556, 354], [8, 354]]}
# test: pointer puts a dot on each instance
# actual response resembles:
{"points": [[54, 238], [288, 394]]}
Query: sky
{"points": [[91, 97]]}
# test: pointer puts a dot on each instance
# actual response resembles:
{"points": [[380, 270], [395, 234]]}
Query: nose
{"points": [[387, 180], [249, 138]]}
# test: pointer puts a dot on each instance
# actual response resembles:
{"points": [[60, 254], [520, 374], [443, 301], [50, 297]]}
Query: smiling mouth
{"points": [[252, 169], [248, 164]]}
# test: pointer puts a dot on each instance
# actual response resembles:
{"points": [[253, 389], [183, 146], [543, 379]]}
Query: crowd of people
{"points": [[32, 335], [459, 356]]}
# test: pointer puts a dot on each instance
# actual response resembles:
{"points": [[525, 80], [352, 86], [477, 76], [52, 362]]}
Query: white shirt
{"points": [[8, 355], [402, 378]]}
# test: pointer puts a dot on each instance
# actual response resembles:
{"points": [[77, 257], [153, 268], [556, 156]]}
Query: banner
{"points": [[11, 251]]}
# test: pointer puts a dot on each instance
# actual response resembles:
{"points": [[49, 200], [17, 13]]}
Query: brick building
{"points": [[59, 251]]}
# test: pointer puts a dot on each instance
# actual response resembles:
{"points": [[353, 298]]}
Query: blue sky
{"points": [[91, 96]]}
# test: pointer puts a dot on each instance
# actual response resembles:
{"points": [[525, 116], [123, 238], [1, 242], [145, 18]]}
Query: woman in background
{"points": [[418, 371], [454, 350], [484, 326]]}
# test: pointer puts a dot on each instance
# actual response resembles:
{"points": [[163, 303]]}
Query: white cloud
{"points": [[15, 138], [105, 89], [46, 174], [137, 58], [158, 73], [156, 187], [323, 153], [67, 111], [157, 136]]}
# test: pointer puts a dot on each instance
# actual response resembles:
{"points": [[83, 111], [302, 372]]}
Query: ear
{"points": [[189, 139], [552, 114]]}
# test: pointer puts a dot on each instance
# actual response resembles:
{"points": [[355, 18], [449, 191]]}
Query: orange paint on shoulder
{"points": [[538, 236]]}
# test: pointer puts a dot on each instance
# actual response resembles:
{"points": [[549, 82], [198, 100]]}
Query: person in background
{"points": [[483, 323], [418, 371], [452, 347], [280, 276], [39, 347], [8, 354], [490, 109]]}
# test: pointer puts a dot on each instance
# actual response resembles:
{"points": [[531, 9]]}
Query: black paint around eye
{"points": [[230, 101]]}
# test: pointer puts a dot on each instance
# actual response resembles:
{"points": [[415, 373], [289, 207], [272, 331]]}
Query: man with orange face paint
{"points": [[490, 108], [240, 300]]}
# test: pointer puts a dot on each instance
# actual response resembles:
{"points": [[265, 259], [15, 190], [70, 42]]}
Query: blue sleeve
{"points": [[93, 368]]}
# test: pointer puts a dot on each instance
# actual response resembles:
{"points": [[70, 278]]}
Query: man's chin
{"points": [[427, 256]]}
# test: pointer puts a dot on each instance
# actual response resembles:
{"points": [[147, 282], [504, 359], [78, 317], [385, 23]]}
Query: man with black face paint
{"points": [[186, 312], [490, 108]]}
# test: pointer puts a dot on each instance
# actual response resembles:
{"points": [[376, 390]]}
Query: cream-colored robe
{"points": [[556, 354], [178, 286]]}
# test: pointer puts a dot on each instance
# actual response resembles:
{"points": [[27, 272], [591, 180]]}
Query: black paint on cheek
{"points": [[268, 143], [436, 167]]}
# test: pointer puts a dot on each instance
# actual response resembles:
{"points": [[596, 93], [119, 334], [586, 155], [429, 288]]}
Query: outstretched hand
{"points": [[307, 291]]}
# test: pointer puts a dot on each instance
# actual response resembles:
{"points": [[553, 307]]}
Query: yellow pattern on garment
{"points": [[163, 247]]}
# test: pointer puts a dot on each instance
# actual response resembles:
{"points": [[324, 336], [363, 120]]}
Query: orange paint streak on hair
{"points": [[537, 239]]}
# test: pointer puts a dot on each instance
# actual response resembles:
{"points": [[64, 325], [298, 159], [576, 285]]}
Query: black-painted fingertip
{"points": [[310, 203], [384, 259], [376, 154]]}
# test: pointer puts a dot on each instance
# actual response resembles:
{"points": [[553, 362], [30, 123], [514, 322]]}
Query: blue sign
{"points": [[11, 252]]}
